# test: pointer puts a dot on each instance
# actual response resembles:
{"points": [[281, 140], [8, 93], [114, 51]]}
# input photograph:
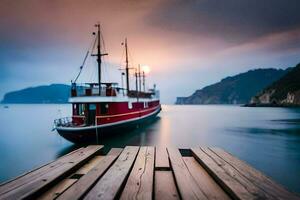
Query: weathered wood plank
{"points": [[164, 187], [33, 186], [86, 182], [140, 182], [115, 151], [207, 184], [255, 176], [56, 190], [89, 165], [230, 179], [63, 185], [161, 158], [109, 186], [31, 175], [187, 186]]}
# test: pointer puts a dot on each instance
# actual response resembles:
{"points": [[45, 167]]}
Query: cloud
{"points": [[233, 21]]}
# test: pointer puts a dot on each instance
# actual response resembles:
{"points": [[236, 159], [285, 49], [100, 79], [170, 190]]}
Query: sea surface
{"points": [[266, 138]]}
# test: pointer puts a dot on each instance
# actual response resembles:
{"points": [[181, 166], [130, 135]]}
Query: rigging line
{"points": [[106, 61], [103, 45], [102, 40], [131, 58], [104, 58], [81, 67], [132, 61], [85, 73], [121, 60], [84, 60], [92, 73]]}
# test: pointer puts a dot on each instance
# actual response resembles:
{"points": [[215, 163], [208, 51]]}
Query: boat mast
{"points": [[144, 81], [136, 81], [140, 81], [99, 55], [127, 67], [136, 84]]}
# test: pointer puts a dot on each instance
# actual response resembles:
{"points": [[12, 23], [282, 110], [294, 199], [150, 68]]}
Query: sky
{"points": [[187, 44]]}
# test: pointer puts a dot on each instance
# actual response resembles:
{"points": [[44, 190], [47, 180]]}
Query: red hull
{"points": [[117, 112], [96, 133]]}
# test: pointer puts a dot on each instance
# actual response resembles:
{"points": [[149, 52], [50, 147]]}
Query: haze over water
{"points": [[266, 138]]}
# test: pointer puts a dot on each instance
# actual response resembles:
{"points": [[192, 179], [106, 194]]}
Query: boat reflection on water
{"points": [[143, 135]]}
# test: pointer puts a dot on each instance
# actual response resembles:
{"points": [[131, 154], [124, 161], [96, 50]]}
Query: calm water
{"points": [[267, 138]]}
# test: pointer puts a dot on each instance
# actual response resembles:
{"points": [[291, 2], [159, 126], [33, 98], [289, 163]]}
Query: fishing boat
{"points": [[102, 109]]}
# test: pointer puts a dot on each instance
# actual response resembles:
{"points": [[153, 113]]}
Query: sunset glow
{"points": [[146, 69]]}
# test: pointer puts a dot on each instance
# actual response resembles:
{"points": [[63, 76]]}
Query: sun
{"points": [[146, 69]]}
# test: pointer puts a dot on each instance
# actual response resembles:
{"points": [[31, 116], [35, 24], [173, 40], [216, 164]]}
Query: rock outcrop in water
{"points": [[284, 92], [236, 89], [55, 93]]}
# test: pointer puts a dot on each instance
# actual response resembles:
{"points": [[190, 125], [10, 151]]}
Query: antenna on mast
{"points": [[99, 54]]}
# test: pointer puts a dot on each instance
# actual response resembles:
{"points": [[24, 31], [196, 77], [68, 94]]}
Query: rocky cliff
{"points": [[237, 89], [283, 92]]}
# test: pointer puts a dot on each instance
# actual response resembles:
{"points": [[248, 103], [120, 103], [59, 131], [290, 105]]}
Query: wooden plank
{"points": [[63, 185], [255, 176], [89, 165], [161, 158], [109, 186], [187, 186], [164, 187], [31, 187], [140, 182], [56, 190], [230, 179], [31, 175], [207, 184], [87, 181], [115, 151]]}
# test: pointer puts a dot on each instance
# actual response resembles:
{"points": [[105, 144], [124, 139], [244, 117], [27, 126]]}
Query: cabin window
{"points": [[81, 108], [75, 111], [129, 105], [104, 108], [145, 104], [92, 106]]}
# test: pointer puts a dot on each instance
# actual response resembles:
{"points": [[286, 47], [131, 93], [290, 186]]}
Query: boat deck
{"points": [[145, 173]]}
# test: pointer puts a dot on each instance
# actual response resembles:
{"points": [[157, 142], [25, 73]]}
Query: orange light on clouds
{"points": [[146, 69]]}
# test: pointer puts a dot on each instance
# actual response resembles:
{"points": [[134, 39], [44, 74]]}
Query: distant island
{"points": [[238, 89], [54, 93], [283, 92], [259, 87]]}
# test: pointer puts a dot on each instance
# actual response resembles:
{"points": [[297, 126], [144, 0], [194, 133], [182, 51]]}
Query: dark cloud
{"points": [[232, 20]]}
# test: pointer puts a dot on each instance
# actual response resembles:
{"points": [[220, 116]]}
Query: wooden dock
{"points": [[145, 173]]}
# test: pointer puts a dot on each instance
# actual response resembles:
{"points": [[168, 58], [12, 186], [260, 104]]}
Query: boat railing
{"points": [[92, 89], [65, 121]]}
